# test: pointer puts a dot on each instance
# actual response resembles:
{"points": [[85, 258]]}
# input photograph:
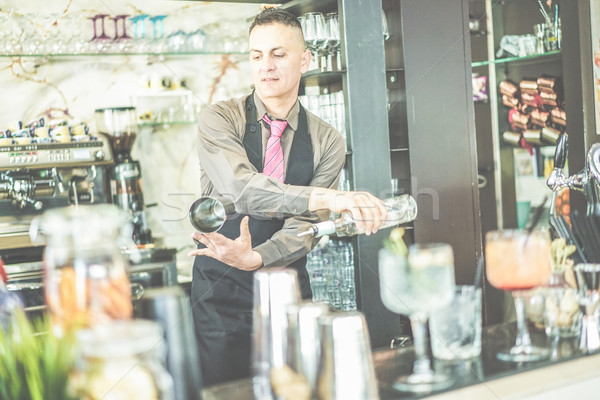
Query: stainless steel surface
{"points": [[48, 155], [40, 176], [11, 227], [26, 278], [586, 180], [345, 366], [170, 307], [274, 289], [207, 215], [22, 186], [304, 331], [587, 277]]}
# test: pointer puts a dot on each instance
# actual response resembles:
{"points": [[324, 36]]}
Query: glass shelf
{"points": [[155, 54], [166, 123], [550, 56]]}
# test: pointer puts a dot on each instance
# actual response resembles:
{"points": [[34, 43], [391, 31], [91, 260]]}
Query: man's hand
{"points": [[367, 210], [237, 253]]}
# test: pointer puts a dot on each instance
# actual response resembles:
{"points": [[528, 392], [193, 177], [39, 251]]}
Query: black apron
{"points": [[222, 295]]}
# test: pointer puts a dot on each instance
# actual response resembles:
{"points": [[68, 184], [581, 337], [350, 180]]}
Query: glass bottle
{"points": [[122, 360], [85, 279], [401, 209]]}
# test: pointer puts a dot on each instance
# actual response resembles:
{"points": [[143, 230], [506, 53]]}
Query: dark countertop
{"points": [[479, 372]]}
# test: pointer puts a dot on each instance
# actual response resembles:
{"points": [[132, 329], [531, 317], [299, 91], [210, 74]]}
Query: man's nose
{"points": [[267, 64]]}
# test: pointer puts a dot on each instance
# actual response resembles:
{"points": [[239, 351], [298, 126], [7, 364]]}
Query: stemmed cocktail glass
{"points": [[313, 26], [519, 261], [414, 287]]}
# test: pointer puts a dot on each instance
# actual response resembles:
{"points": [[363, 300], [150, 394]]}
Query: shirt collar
{"points": [[292, 117]]}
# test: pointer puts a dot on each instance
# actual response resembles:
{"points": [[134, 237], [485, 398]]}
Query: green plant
{"points": [[34, 363], [395, 242]]}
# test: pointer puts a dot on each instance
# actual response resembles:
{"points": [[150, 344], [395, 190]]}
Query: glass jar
{"points": [[85, 279], [122, 360]]}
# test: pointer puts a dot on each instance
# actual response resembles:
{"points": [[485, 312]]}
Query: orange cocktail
{"points": [[517, 261]]}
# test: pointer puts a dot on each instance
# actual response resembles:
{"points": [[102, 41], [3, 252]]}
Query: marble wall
{"points": [[74, 86]]}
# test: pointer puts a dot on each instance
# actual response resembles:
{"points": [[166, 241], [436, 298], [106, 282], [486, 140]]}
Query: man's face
{"points": [[278, 59]]}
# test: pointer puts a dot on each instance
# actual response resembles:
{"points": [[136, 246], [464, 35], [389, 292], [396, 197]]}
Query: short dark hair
{"points": [[274, 15]]}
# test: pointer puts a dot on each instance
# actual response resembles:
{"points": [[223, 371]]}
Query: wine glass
{"points": [[415, 287], [314, 34], [332, 33], [519, 261]]}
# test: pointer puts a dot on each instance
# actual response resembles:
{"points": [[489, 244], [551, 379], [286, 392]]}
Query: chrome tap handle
{"points": [[557, 179], [58, 179]]}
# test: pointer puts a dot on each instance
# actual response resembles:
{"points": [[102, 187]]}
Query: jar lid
{"points": [[121, 338]]}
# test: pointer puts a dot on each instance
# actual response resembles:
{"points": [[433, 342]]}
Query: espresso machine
{"points": [[60, 163], [119, 126], [45, 165]]}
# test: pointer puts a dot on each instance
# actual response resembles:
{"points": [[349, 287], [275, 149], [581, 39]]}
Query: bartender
{"points": [[274, 166]]}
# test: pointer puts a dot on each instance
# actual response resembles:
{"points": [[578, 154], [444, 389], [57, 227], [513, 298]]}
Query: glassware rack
{"points": [[77, 34]]}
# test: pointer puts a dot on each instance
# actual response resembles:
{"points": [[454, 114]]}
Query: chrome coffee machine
{"points": [[48, 164], [119, 125]]}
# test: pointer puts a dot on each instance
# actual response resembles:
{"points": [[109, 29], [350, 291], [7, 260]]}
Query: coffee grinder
{"points": [[119, 125]]}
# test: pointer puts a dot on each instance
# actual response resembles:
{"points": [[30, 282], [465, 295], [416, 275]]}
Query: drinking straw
{"points": [[582, 232], [478, 272], [537, 216], [544, 13]]}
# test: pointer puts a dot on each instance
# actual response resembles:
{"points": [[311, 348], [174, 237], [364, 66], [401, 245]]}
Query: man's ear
{"points": [[306, 56]]}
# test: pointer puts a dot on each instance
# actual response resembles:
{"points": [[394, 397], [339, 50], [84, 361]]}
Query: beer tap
{"points": [[586, 181]]}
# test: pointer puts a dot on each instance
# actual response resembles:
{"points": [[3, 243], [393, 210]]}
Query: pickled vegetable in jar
{"points": [[122, 360], [85, 273]]}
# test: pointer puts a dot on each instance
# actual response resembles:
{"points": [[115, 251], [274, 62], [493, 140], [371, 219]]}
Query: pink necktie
{"points": [[274, 155]]}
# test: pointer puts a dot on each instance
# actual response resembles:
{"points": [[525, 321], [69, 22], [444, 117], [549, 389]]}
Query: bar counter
{"points": [[568, 372]]}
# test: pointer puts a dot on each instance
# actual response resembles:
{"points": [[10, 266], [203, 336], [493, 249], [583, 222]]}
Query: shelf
{"points": [[319, 78], [546, 57], [150, 54], [164, 93], [301, 7], [244, 1], [166, 123]]}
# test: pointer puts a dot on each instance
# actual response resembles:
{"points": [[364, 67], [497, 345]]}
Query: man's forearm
{"points": [[322, 199]]}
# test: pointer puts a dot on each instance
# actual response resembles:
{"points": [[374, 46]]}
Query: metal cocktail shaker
{"points": [[345, 368], [274, 290], [207, 215], [304, 342], [587, 277], [170, 307]]}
